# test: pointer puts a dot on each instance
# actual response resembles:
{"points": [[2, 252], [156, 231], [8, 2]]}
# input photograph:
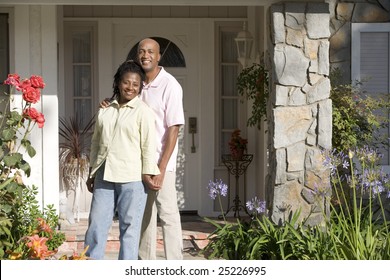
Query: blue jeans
{"points": [[129, 200]]}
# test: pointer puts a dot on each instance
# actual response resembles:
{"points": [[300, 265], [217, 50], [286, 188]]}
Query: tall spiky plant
{"points": [[74, 154]]}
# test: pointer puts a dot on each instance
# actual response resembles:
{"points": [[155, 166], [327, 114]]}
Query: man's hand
{"points": [[150, 182], [105, 103], [90, 184], [158, 180]]}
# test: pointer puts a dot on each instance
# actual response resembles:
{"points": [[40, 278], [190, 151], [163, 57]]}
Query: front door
{"points": [[128, 33]]}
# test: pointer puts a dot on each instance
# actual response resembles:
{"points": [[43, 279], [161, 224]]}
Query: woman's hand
{"points": [[90, 184]]}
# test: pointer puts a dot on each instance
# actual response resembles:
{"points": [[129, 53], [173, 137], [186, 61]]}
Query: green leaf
{"points": [[12, 187], [8, 134], [25, 166], [13, 159], [30, 150]]}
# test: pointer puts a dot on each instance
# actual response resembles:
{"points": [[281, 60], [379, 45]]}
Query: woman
{"points": [[123, 154]]}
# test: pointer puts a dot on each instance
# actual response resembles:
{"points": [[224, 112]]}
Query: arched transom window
{"points": [[171, 55]]}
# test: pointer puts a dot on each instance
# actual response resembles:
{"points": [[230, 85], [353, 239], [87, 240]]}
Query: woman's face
{"points": [[129, 87]]}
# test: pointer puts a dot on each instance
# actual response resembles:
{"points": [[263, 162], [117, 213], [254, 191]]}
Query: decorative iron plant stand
{"points": [[236, 167]]}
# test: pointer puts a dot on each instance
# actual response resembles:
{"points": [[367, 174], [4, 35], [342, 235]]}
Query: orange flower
{"points": [[43, 226], [38, 247], [76, 256]]}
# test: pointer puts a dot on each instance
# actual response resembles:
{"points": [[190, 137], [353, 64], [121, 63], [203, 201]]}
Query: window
{"points": [[370, 63], [230, 112], [171, 55], [79, 74]]}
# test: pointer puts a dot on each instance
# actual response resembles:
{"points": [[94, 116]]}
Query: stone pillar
{"points": [[300, 115]]}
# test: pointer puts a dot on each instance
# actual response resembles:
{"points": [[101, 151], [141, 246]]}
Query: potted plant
{"points": [[253, 83], [237, 145], [74, 158]]}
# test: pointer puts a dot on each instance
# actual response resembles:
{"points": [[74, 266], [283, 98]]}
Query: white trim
{"points": [[49, 61]]}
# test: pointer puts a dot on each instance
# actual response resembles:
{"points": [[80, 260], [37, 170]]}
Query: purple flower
{"points": [[322, 191], [369, 155], [256, 206], [334, 159], [217, 188], [374, 181]]}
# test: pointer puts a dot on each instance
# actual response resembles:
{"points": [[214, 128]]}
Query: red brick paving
{"points": [[195, 233]]}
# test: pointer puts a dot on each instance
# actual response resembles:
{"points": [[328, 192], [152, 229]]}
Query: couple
{"points": [[124, 174]]}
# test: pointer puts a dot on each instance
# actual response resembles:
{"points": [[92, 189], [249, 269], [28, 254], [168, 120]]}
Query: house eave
{"points": [[149, 2]]}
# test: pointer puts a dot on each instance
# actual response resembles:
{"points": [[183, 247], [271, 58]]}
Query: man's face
{"points": [[148, 54]]}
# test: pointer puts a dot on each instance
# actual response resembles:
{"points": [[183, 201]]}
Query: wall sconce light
{"points": [[244, 41]]}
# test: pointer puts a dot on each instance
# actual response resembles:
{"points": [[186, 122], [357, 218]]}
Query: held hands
{"points": [[153, 182]]}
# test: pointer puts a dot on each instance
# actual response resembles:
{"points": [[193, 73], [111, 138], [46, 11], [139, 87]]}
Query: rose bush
{"points": [[26, 232]]}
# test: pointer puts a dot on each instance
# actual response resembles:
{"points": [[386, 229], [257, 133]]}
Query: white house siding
{"points": [[35, 53]]}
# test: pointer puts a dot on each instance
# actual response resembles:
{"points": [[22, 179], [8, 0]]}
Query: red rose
{"points": [[31, 94], [24, 84], [12, 80], [34, 115], [40, 120], [31, 113], [37, 82]]}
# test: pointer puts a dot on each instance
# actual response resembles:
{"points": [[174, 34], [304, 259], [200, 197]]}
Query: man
{"points": [[164, 95]]}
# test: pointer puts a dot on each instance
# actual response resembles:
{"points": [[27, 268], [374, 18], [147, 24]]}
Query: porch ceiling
{"points": [[148, 2]]}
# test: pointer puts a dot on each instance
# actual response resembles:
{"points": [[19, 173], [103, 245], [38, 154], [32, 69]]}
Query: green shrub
{"points": [[356, 118]]}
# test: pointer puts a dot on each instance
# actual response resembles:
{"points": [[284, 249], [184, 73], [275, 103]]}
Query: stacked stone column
{"points": [[300, 110]]}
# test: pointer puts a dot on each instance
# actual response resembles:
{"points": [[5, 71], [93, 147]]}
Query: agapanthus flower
{"points": [[256, 205], [373, 181], [217, 188], [369, 177], [322, 191], [334, 159], [368, 155]]}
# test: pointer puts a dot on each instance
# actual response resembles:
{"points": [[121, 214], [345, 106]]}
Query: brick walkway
{"points": [[195, 233]]}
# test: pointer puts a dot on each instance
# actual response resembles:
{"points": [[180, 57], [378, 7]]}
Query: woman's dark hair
{"points": [[126, 67]]}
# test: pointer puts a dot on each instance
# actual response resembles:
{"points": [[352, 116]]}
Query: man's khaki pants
{"points": [[163, 202]]}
